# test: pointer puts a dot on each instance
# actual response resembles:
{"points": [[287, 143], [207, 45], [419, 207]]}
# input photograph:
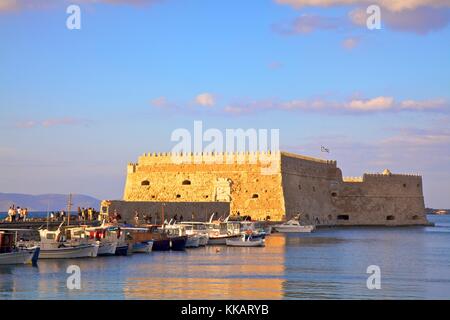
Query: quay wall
{"points": [[191, 211]]}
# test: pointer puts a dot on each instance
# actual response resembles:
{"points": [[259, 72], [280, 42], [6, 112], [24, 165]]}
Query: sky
{"points": [[77, 105]]}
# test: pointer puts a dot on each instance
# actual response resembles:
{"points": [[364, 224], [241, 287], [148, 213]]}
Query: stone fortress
{"points": [[311, 187]]}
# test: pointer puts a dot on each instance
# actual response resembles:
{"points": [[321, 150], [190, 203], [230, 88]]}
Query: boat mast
{"points": [[69, 208]]}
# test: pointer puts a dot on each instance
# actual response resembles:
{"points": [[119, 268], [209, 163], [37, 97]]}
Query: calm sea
{"points": [[327, 264]]}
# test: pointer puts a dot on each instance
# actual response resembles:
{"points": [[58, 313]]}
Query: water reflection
{"points": [[212, 273], [329, 263]]}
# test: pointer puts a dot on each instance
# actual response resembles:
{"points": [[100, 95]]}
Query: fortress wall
{"points": [[307, 185], [382, 200], [316, 190], [191, 211], [243, 184]]}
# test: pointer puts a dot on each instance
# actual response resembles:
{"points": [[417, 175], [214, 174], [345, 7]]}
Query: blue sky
{"points": [[77, 105]]}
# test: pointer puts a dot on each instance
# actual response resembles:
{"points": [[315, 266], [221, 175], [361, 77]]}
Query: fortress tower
{"points": [[294, 185]]}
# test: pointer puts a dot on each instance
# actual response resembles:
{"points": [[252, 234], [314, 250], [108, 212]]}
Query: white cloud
{"points": [[205, 99], [392, 5], [375, 104]]}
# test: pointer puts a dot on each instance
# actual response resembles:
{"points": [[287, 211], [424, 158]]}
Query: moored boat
{"points": [[246, 241], [294, 226], [143, 247], [11, 254], [55, 245]]}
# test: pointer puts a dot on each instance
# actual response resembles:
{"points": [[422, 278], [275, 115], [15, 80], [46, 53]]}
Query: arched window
{"points": [[255, 196], [334, 194], [145, 183], [178, 196], [186, 183], [389, 218]]}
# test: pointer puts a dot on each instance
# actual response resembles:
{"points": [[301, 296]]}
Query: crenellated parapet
{"points": [[259, 157]]}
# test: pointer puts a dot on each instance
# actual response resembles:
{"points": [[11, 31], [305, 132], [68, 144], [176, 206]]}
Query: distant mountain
{"points": [[42, 202]]}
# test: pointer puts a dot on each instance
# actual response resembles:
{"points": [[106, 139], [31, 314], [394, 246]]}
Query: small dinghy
{"points": [[246, 241]]}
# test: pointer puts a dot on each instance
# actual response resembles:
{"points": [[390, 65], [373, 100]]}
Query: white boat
{"points": [[20, 256], [107, 236], [245, 241], [11, 252], [193, 241], [203, 240], [70, 252], [55, 245], [143, 247], [198, 229], [221, 231], [107, 248], [293, 226]]}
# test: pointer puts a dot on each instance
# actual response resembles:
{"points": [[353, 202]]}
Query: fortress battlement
{"points": [[295, 184], [259, 157]]}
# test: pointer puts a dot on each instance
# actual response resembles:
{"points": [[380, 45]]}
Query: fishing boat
{"points": [[256, 228], [198, 229], [55, 245], [11, 254], [174, 229], [294, 226], [178, 238], [246, 241], [221, 231], [161, 241], [107, 236]]}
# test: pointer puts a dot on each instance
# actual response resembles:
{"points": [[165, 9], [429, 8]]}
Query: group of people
{"points": [[88, 214], [17, 214]]}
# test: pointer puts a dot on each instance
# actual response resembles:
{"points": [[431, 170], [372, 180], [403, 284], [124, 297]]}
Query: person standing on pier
{"points": [[136, 217], [11, 213]]}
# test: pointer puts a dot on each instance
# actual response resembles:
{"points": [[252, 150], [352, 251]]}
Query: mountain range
{"points": [[44, 202]]}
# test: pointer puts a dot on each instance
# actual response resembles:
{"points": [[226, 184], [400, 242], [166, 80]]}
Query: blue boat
{"points": [[178, 243], [122, 250]]}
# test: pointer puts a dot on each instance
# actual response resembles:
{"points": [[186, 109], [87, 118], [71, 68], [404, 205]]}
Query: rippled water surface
{"points": [[330, 263]]}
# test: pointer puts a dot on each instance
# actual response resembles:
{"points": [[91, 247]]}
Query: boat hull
{"points": [[161, 245], [82, 251], [221, 240], [294, 229], [193, 242], [203, 241], [121, 250], [248, 243], [107, 249], [19, 257], [178, 243], [143, 247]]}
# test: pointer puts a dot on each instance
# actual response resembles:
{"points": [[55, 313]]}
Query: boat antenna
{"points": [[212, 216]]}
